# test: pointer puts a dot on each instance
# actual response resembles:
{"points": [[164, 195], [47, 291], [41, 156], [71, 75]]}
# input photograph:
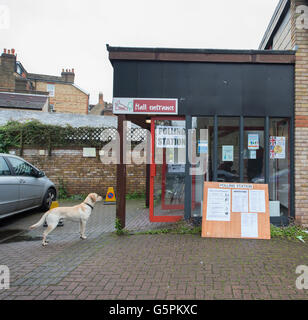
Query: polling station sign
{"points": [[145, 106], [170, 137]]}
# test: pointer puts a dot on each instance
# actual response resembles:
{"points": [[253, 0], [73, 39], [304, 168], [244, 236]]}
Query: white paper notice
{"points": [[256, 201], [218, 205], [249, 225], [239, 200]]}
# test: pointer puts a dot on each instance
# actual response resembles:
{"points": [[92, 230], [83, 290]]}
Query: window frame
{"points": [[13, 169], [9, 167]]}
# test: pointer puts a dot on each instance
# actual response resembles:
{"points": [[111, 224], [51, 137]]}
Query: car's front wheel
{"points": [[49, 197]]}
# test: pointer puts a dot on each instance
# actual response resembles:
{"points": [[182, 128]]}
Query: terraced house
{"points": [[22, 90]]}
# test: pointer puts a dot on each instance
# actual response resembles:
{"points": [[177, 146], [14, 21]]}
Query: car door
{"points": [[9, 189], [30, 187]]}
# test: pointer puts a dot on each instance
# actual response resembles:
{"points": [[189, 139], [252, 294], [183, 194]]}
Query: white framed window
{"points": [[51, 89]]}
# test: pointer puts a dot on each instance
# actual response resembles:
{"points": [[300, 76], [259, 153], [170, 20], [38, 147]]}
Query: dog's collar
{"points": [[89, 206]]}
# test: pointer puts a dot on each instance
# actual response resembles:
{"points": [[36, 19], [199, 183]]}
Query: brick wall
{"points": [[84, 175], [68, 99], [300, 39]]}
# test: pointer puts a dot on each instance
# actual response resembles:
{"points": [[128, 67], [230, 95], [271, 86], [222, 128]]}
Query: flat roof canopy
{"points": [[208, 81]]}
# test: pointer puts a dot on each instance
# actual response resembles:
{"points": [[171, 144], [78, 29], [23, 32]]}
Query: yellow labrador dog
{"points": [[79, 213]]}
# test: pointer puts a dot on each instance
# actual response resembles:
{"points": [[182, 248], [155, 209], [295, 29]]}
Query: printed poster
{"points": [[239, 200], [176, 168], [218, 205], [277, 147], [202, 146], [227, 153], [170, 137], [249, 225], [256, 201], [253, 142]]}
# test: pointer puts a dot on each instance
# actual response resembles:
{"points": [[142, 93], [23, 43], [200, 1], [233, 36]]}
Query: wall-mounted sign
{"points": [[170, 137], [253, 142], [89, 152], [145, 106], [277, 147], [227, 153]]}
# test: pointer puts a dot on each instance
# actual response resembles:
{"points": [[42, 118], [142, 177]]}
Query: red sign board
{"points": [[145, 106], [157, 106]]}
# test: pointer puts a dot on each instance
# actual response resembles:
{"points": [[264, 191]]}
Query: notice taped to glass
{"points": [[170, 137], [218, 205]]}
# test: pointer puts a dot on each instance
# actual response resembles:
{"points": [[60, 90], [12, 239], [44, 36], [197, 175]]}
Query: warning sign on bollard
{"points": [[110, 196]]}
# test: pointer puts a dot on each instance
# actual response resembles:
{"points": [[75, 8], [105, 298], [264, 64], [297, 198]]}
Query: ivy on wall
{"points": [[34, 133]]}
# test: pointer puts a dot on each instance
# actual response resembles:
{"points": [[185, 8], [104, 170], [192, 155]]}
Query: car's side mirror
{"points": [[38, 173]]}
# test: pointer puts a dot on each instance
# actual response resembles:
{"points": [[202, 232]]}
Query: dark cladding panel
{"points": [[268, 90], [226, 89], [214, 88], [148, 83], [125, 79]]}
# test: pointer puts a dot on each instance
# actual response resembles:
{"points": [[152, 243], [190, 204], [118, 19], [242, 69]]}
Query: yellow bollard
{"points": [[55, 204], [110, 197]]}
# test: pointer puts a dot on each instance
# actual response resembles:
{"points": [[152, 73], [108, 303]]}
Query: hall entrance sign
{"points": [[236, 210]]}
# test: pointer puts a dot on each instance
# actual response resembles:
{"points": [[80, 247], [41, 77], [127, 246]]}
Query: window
{"points": [[18, 70], [279, 167], [51, 89], [254, 155], [228, 149], [4, 169], [21, 168], [51, 108]]}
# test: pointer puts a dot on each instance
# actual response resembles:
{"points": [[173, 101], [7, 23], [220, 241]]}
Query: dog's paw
{"points": [[44, 244], [83, 237]]}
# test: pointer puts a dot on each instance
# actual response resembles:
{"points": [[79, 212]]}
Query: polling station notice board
{"points": [[236, 210]]}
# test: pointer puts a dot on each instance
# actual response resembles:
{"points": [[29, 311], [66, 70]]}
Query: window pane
{"points": [[202, 156], [51, 89], [279, 180], [21, 168], [4, 169], [254, 154], [228, 149]]}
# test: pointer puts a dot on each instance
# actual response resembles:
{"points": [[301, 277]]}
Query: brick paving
{"points": [[141, 267]]}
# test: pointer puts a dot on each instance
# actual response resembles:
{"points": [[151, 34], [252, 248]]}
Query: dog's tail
{"points": [[42, 220]]}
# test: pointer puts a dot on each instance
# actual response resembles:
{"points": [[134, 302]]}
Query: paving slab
{"points": [[145, 266]]}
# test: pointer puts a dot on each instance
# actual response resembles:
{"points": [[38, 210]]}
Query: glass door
{"points": [[167, 182], [279, 167]]}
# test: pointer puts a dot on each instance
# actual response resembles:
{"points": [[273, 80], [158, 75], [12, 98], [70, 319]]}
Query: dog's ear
{"points": [[92, 196]]}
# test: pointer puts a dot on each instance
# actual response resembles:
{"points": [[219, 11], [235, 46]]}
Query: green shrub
{"points": [[290, 232]]}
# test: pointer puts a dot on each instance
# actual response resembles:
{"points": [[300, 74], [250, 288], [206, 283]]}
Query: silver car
{"points": [[23, 187]]}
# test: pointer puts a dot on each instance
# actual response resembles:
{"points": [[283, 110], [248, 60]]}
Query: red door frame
{"points": [[153, 174]]}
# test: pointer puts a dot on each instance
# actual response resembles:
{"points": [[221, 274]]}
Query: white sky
{"points": [[49, 35]]}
